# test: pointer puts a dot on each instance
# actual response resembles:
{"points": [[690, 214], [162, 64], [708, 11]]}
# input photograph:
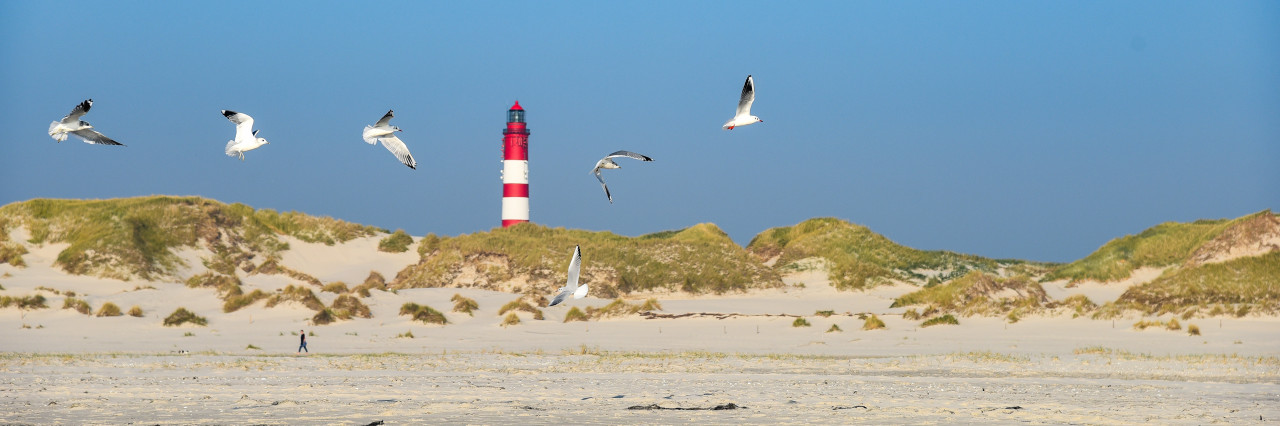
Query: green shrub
{"points": [[79, 305], [423, 313], [183, 316], [24, 303], [872, 323], [825, 314], [1193, 330], [397, 242], [109, 310], [911, 315], [834, 329], [405, 335], [800, 322], [945, 319], [464, 305], [575, 314], [375, 281]]}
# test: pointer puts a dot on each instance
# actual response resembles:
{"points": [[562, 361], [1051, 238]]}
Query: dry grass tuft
{"points": [[800, 322], [873, 323], [464, 305], [945, 319], [79, 305], [109, 310], [575, 314], [135, 311], [511, 319]]}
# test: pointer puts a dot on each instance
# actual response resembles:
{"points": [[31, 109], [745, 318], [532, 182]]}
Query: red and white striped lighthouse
{"points": [[515, 168]]}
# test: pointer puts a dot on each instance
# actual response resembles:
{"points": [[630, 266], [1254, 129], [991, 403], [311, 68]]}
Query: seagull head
{"points": [[396, 129], [758, 120]]}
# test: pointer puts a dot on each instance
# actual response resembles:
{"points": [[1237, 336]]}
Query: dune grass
{"points": [[136, 311], [232, 303], [860, 259], [137, 237], [834, 329], [336, 287], [464, 305], [979, 293], [521, 305], [945, 319], [873, 323], [397, 242], [375, 281], [109, 310], [698, 259], [423, 313], [347, 306], [510, 320], [79, 305], [298, 294], [575, 314], [1166, 244], [1235, 288], [182, 316], [26, 303], [620, 308], [800, 322]]}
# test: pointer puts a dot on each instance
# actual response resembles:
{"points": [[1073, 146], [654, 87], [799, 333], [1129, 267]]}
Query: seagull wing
{"points": [[575, 266], [397, 147], [78, 111], [386, 119], [244, 124], [91, 136], [603, 185], [559, 297], [748, 96], [581, 292], [629, 154]]}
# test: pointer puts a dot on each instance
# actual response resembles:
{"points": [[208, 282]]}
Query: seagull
{"points": [[246, 138], [607, 163], [385, 132], [744, 117], [83, 130], [571, 286]]}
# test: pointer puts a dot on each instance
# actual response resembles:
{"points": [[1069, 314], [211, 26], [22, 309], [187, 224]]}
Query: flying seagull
{"points": [[571, 286], [744, 117], [386, 133], [246, 138], [607, 163], [82, 129]]}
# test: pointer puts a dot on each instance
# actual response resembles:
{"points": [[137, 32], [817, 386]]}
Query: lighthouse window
{"points": [[515, 116]]}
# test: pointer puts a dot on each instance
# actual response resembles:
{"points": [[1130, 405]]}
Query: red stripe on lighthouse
{"points": [[509, 222], [520, 190]]}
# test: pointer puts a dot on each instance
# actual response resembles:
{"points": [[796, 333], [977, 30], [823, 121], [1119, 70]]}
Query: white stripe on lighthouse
{"points": [[515, 208], [515, 171]]}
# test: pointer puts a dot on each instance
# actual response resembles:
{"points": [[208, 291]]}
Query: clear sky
{"points": [[1033, 130]]}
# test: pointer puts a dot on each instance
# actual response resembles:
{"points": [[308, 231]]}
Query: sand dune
{"points": [[61, 366]]}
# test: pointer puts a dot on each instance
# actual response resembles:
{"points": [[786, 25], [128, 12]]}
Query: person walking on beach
{"points": [[303, 345]]}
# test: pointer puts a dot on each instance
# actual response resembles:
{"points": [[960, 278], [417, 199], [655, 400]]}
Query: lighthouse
{"points": [[515, 168]]}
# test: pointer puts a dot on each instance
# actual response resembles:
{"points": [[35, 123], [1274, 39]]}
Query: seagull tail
{"points": [[230, 151]]}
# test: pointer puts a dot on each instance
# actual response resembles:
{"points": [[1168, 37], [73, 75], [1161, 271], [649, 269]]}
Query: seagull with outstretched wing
{"points": [[608, 163], [743, 117], [571, 285], [384, 132], [246, 138], [72, 124]]}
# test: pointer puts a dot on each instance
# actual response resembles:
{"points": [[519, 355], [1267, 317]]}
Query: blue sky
{"points": [[1031, 130]]}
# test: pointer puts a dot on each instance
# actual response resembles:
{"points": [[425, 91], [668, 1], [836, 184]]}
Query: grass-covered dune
{"points": [[1235, 287], [860, 259], [1167, 244], [698, 259], [139, 237]]}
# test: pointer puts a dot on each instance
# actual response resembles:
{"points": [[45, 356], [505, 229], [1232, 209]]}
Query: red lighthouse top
{"points": [[517, 106]]}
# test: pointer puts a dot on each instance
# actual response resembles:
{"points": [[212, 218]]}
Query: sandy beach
{"points": [[675, 366]]}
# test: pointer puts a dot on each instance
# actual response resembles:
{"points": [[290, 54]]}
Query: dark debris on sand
{"points": [[729, 406]]}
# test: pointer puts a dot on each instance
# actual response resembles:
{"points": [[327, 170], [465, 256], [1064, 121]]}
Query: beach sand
{"points": [[58, 366]]}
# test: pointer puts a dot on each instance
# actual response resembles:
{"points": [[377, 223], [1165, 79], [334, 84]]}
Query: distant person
{"points": [[303, 345]]}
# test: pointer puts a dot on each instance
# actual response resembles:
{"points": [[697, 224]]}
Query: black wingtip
{"points": [[88, 103], [228, 113]]}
